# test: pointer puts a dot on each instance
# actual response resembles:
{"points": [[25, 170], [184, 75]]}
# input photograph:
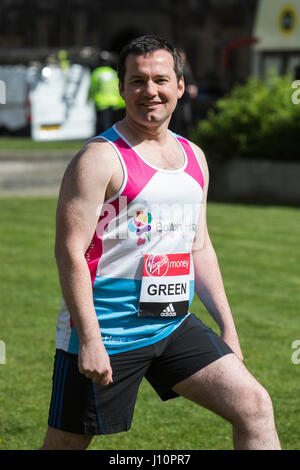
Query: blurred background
{"points": [[58, 64], [39, 36], [58, 88]]}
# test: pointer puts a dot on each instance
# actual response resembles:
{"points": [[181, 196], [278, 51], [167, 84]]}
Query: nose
{"points": [[150, 89]]}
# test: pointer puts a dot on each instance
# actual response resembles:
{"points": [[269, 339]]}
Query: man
{"points": [[131, 245], [105, 93], [182, 118]]}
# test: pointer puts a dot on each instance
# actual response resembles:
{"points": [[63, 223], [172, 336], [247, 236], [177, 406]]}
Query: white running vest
{"points": [[140, 256]]}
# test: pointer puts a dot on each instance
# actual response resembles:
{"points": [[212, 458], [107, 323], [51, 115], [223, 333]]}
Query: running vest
{"points": [[140, 257]]}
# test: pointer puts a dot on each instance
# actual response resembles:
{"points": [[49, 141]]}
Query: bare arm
{"points": [[208, 279], [82, 191]]}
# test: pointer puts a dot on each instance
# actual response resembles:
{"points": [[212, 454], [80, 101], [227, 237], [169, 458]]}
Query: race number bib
{"points": [[165, 289]]}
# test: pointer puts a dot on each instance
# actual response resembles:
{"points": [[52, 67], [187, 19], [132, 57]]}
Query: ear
{"points": [[181, 87], [121, 90]]}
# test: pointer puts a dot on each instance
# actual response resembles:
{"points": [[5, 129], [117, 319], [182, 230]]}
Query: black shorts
{"points": [[81, 406]]}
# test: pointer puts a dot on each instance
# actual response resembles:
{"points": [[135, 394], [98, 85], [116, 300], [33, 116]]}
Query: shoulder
{"points": [[96, 156], [91, 168], [201, 159], [197, 151], [97, 150]]}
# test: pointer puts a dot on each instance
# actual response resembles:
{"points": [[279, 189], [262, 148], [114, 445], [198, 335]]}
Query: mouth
{"points": [[151, 104]]}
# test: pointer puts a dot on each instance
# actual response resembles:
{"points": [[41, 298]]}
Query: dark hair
{"points": [[145, 45]]}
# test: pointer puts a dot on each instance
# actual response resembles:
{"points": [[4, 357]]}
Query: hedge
{"points": [[257, 120]]}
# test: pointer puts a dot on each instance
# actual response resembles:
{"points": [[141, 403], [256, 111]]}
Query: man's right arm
{"points": [[82, 192]]}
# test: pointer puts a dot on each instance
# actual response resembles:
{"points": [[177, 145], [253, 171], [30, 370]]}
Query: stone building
{"points": [[216, 34]]}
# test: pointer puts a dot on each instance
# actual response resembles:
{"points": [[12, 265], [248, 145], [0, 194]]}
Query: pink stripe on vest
{"points": [[139, 174], [193, 167]]}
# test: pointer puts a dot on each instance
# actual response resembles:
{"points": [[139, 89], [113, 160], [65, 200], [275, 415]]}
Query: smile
{"points": [[151, 105]]}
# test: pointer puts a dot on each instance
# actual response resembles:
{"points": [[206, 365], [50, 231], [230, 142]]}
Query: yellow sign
{"points": [[287, 20], [53, 127]]}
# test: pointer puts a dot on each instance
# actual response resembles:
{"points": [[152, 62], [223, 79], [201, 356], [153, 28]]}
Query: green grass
{"points": [[258, 251], [27, 144]]}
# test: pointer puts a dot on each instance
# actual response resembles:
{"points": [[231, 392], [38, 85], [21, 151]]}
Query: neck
{"points": [[157, 133]]}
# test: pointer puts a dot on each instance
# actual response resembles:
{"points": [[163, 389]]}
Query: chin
{"points": [[154, 118]]}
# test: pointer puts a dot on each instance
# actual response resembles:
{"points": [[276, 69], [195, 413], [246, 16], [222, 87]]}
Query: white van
{"points": [[60, 109], [15, 106], [51, 101]]}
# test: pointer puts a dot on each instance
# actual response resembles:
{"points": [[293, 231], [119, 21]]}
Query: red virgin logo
{"points": [[157, 265]]}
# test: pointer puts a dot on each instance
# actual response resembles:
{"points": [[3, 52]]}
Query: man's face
{"points": [[150, 89]]}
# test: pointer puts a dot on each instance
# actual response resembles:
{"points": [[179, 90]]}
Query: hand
{"points": [[234, 344], [94, 363]]}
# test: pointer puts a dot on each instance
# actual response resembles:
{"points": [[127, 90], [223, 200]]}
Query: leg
{"points": [[228, 389], [80, 405], [61, 440]]}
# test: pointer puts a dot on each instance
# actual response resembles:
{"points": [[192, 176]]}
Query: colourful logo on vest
{"points": [[141, 225]]}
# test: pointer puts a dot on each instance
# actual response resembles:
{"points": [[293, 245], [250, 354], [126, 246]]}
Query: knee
{"points": [[255, 405], [261, 402]]}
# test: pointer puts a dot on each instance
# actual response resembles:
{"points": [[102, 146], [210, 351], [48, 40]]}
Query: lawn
{"points": [[258, 251], [12, 144]]}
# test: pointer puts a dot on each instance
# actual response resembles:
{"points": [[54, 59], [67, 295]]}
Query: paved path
{"points": [[32, 173]]}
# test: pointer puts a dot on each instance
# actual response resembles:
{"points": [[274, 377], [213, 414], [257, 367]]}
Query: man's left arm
{"points": [[208, 279]]}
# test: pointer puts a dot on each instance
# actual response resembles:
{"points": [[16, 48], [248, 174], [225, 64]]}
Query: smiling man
{"points": [[127, 285], [150, 88]]}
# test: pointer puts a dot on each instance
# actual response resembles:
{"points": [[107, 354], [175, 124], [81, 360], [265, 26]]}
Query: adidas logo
{"points": [[168, 312]]}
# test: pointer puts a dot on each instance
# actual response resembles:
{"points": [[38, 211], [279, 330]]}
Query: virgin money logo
{"points": [[157, 265]]}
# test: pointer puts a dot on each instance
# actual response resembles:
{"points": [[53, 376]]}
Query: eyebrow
{"points": [[141, 75]]}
